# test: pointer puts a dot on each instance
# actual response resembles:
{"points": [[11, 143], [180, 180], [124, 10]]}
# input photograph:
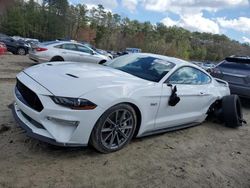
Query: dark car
{"points": [[15, 46], [236, 71]]}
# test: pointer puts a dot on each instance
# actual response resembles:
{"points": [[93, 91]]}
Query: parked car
{"points": [[133, 50], [122, 53], [236, 71], [74, 104], [207, 66], [113, 53], [29, 41], [3, 48], [65, 51], [15, 46]]}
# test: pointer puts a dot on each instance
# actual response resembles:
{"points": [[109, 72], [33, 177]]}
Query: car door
{"points": [[87, 55], [195, 91], [69, 52]]}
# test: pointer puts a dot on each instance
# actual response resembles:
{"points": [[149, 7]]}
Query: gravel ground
{"points": [[209, 155]]}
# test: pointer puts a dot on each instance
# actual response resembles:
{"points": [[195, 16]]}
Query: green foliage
{"points": [[53, 19]]}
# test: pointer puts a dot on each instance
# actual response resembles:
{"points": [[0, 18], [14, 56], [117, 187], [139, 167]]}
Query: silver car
{"points": [[65, 51]]}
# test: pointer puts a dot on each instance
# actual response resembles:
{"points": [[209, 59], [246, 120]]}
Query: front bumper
{"points": [[53, 124], [17, 114]]}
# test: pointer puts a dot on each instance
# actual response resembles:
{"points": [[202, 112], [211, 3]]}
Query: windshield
{"points": [[142, 66]]}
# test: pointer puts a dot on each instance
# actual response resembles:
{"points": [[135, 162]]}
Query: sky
{"points": [[229, 17]]}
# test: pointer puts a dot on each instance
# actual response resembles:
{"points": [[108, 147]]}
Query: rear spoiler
{"points": [[222, 82], [238, 60]]}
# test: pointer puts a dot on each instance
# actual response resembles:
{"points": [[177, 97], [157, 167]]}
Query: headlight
{"points": [[74, 103]]}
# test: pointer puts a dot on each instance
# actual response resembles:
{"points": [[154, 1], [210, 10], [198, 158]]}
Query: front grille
{"points": [[28, 97]]}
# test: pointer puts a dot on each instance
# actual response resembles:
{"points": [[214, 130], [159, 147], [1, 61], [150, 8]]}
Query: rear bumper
{"points": [[242, 91], [38, 58]]}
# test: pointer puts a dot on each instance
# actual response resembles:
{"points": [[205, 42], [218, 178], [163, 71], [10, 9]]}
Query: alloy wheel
{"points": [[117, 129]]}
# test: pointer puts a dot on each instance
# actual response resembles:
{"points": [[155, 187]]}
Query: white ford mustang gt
{"points": [[74, 104]]}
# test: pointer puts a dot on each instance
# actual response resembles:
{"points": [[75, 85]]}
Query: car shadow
{"points": [[54, 151]]}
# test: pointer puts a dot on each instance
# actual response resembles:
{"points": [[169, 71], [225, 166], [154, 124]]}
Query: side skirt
{"points": [[169, 129]]}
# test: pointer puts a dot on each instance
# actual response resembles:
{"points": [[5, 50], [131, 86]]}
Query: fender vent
{"points": [[71, 75]]}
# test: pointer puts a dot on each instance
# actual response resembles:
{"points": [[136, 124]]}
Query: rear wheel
{"points": [[114, 129], [57, 58], [21, 51], [231, 110]]}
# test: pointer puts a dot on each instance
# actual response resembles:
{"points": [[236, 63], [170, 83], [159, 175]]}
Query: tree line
{"points": [[53, 19]]}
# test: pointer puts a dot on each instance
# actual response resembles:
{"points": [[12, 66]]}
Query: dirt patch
{"points": [[4, 128], [209, 155]]}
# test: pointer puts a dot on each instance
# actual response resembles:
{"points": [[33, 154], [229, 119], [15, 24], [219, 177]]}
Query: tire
{"points": [[118, 122], [231, 110], [21, 51], [57, 58]]}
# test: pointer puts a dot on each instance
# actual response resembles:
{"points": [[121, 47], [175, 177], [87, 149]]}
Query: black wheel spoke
{"points": [[108, 136], [126, 127], [122, 117], [118, 140], [110, 121], [126, 120], [112, 139], [116, 116], [123, 134], [106, 130]]}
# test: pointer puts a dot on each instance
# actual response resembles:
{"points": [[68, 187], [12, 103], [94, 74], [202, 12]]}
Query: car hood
{"points": [[71, 79]]}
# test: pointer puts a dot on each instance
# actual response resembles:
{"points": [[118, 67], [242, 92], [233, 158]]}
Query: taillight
{"points": [[41, 49]]}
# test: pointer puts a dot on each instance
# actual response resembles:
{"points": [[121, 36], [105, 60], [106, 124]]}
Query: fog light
{"points": [[63, 121]]}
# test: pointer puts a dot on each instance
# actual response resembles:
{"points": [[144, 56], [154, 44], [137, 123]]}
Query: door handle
{"points": [[203, 93]]}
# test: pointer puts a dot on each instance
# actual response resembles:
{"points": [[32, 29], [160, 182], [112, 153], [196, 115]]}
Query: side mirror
{"points": [[173, 99]]}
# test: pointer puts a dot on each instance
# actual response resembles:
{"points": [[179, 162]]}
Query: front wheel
{"points": [[114, 129]]}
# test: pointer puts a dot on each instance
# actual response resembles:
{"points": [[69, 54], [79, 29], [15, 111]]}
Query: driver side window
{"points": [[69, 46], [84, 49], [189, 75]]}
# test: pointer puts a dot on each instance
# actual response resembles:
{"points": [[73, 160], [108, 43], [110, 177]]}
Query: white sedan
{"points": [[65, 51], [76, 104]]}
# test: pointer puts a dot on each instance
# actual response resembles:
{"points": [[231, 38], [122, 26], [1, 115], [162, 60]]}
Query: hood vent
{"points": [[71, 75]]}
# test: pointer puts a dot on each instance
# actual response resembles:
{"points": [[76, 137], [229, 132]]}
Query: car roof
{"points": [[238, 59], [52, 43]]}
